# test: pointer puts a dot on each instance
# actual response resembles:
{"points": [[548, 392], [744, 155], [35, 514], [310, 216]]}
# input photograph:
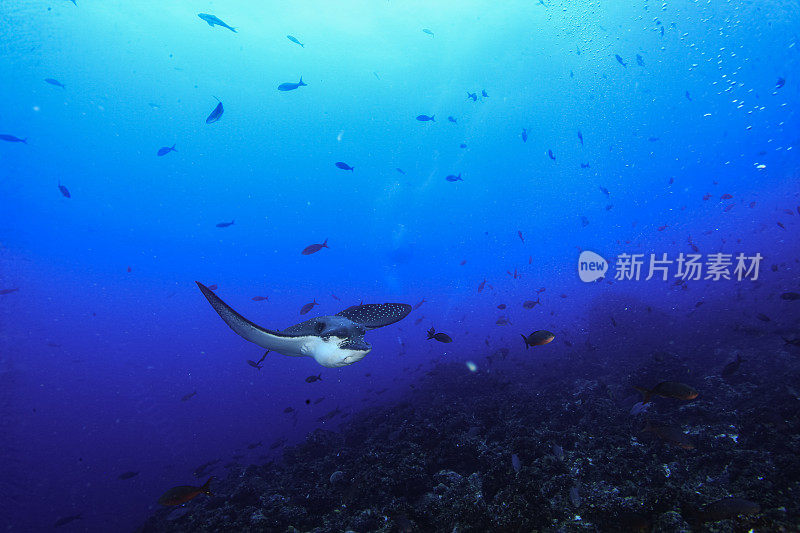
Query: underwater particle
{"points": [[584, 221], [294, 40], [728, 508], [472, 366], [165, 150], [67, 519], [668, 389], [183, 493], [312, 379], [620, 60], [213, 20], [12, 138], [426, 30], [538, 338], [288, 86], [54, 82], [671, 435], [426, 118], [343, 166], [524, 135], [308, 307], [64, 191], [314, 248], [226, 224], [441, 337], [780, 83], [453, 178], [187, 397]]}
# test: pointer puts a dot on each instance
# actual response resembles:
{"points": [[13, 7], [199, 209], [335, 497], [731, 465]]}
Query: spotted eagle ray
{"points": [[333, 340]]}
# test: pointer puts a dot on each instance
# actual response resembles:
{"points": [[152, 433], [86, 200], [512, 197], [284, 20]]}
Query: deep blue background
{"points": [[106, 399]]}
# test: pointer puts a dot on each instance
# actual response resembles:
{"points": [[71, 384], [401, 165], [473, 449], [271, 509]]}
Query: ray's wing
{"points": [[374, 316], [266, 338], [302, 329]]}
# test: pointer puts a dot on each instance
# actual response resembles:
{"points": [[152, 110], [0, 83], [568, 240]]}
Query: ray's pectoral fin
{"points": [[254, 333], [373, 316]]}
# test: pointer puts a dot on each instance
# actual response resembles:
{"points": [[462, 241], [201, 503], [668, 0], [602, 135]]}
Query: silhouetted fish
{"points": [[483, 93], [12, 139], [671, 435], [127, 475], [213, 20], [184, 493], [441, 337], [621, 61], [639, 60], [291, 86], [668, 389], [550, 155], [259, 298], [538, 338], [604, 190], [308, 307], [727, 508], [216, 114], [400, 170], [226, 224], [294, 40], [64, 191], [67, 519], [519, 232], [426, 118], [732, 367], [429, 32], [451, 119], [790, 296], [472, 96], [780, 83], [524, 135], [312, 379], [8, 291], [688, 97], [165, 150], [253, 364], [343, 166], [55, 82], [580, 137], [187, 397], [482, 285], [762, 317], [453, 178], [530, 304], [419, 304], [314, 248]]}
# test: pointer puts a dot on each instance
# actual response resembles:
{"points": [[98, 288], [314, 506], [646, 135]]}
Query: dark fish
{"points": [[762, 317], [418, 305], [400, 170], [519, 232], [732, 367], [726, 196], [55, 82], [584, 222], [344, 166], [184, 493], [453, 178], [308, 307], [426, 118], [524, 135], [780, 83], [501, 306], [781, 225], [12, 138], [639, 60], [538, 338], [165, 150], [314, 248], [336, 298], [482, 285], [64, 191], [291, 86], [67, 519], [792, 342], [441, 337], [213, 20], [727, 508], [278, 443], [462, 145], [288, 410], [550, 155], [127, 475], [225, 224], [790, 296], [653, 139], [294, 40], [604, 191], [426, 30], [502, 321], [213, 287], [621, 61], [312, 379], [253, 364], [584, 165], [530, 304], [580, 137], [253, 445], [687, 96], [8, 291], [259, 298], [668, 389], [187, 397], [671, 435], [216, 114], [451, 119], [472, 96], [483, 93]]}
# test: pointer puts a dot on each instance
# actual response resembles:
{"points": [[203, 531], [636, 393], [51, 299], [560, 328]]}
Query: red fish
{"points": [[314, 248], [530, 304], [259, 298], [726, 196], [418, 305], [501, 306], [542, 289], [520, 236], [706, 196], [129, 269], [213, 287], [482, 285], [781, 225], [662, 228], [308, 307], [530, 259], [184, 493], [463, 262]]}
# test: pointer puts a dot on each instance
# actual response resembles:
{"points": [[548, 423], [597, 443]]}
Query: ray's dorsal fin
{"points": [[376, 315]]}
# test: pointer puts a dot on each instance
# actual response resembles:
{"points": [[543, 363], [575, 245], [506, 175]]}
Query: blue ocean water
{"points": [[649, 128]]}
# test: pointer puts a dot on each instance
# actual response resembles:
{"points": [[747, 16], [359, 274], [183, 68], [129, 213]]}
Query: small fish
{"points": [[604, 191], [64, 191], [762, 317], [12, 139], [501, 306], [727, 508], [182, 494], [213, 287], [726, 196], [502, 321], [653, 139], [584, 165], [472, 96], [294, 40], [8, 291], [482, 285], [780, 83], [253, 364], [426, 118], [292, 86], [453, 178], [253, 445], [580, 137], [451, 119], [584, 222], [418, 305], [668, 389], [400, 170], [550, 155], [639, 60], [344, 166], [524, 135], [621, 61], [314, 248], [127, 475], [441, 337], [538, 338], [288, 410], [216, 114], [187, 397], [165, 150], [462, 145], [483, 93], [530, 304], [259, 298], [67, 519], [686, 94], [671, 435], [308, 307], [226, 224], [55, 82], [732, 367], [519, 232], [780, 224], [213, 20], [312, 379], [788, 296], [429, 32]]}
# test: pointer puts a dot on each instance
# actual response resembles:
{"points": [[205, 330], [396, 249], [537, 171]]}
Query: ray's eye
{"points": [[319, 326]]}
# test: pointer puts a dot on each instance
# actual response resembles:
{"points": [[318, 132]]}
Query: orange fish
{"points": [[184, 493], [668, 389]]}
